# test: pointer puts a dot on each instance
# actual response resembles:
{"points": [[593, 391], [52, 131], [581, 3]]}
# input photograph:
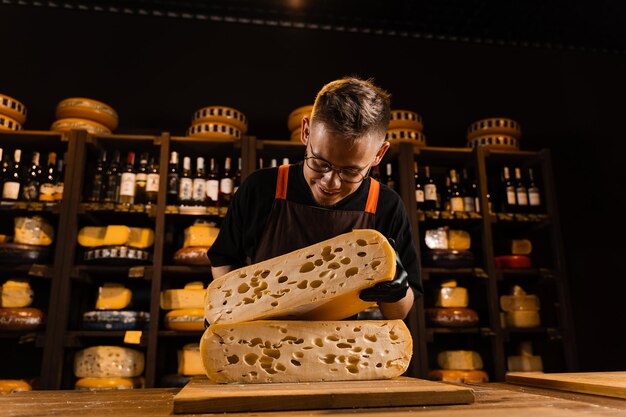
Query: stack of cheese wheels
{"points": [[78, 113], [495, 133], [460, 366], [186, 305], [521, 310], [12, 113], [294, 121], [451, 308], [406, 124], [116, 243], [279, 320], [198, 240], [111, 314], [108, 368], [16, 296], [524, 361], [218, 122]]}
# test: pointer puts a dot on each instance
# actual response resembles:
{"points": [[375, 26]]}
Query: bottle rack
{"points": [[72, 284]]}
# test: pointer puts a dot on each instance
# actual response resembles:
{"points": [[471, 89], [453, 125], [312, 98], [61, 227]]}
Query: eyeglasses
{"points": [[322, 166]]}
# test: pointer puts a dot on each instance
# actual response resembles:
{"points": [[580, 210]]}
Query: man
{"points": [[279, 210]]}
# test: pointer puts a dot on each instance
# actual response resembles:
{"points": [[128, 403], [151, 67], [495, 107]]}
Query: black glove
{"points": [[389, 291]]}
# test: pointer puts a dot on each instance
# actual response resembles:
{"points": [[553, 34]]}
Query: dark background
{"points": [[156, 71]]}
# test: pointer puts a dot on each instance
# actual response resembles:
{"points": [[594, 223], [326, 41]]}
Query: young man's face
{"points": [[327, 188]]}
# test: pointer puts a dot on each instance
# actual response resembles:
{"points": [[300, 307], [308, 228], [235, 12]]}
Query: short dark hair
{"points": [[352, 107]]}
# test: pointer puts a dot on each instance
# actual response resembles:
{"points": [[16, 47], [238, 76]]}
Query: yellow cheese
{"points": [[296, 135], [8, 386], [103, 384], [318, 282], [12, 108], [5, 238], [452, 296], [519, 301], [459, 240], [108, 361], [85, 108], [523, 318], [65, 125], [16, 293], [91, 237], [141, 237], [192, 296], [190, 361], [200, 234], [305, 351], [463, 360], [33, 231], [521, 247], [525, 361], [185, 319], [113, 296]]}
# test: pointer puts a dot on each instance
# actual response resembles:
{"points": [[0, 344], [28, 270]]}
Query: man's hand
{"points": [[389, 291]]}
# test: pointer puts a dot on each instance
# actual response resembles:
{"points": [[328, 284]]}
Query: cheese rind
{"points": [[105, 384], [318, 282], [8, 386], [16, 293], [108, 361], [113, 296], [304, 351], [33, 231], [186, 319], [192, 296], [190, 361], [462, 360]]}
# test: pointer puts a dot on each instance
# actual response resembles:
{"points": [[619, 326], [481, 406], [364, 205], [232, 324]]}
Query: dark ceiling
{"points": [[597, 26]]}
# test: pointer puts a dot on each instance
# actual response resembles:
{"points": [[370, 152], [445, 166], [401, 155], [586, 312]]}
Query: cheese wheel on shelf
{"points": [[115, 320], [185, 319], [222, 114], [12, 108], [522, 319], [494, 126], [494, 142], [7, 386], [105, 384], [461, 360], [108, 361], [306, 351], [113, 296], [86, 108], [318, 282], [418, 137], [214, 130], [190, 361], [33, 231], [16, 293], [195, 256], [513, 261], [200, 234], [296, 135], [294, 121], [9, 124], [451, 317], [20, 319], [459, 377], [449, 295], [191, 296], [112, 235], [65, 125], [406, 119]]}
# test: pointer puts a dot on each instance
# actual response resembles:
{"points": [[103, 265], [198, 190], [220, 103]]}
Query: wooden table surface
{"points": [[492, 400]]}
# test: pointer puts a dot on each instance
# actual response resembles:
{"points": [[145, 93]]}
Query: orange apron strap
{"points": [[372, 198], [281, 182]]}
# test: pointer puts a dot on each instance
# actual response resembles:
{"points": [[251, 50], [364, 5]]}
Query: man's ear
{"points": [[381, 152], [306, 130]]}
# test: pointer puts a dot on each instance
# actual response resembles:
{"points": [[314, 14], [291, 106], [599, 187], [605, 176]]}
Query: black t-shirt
{"points": [[244, 224]]}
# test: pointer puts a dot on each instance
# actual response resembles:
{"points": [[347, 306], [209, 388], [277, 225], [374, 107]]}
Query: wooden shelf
{"points": [[527, 273], [24, 207], [117, 209], [474, 272], [449, 216], [180, 334], [553, 333], [84, 338], [85, 272], [32, 270], [186, 270]]}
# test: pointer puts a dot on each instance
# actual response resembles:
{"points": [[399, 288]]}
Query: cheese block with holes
{"points": [[459, 377], [306, 351], [294, 121], [65, 125], [105, 384], [190, 361], [12, 108], [494, 126], [8, 123], [185, 319], [406, 119], [463, 360], [8, 386], [214, 130], [191, 296], [318, 282], [222, 114], [107, 362], [16, 293], [86, 108], [415, 135]]}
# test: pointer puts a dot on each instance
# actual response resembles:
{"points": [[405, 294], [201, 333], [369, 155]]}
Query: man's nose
{"points": [[331, 179]]}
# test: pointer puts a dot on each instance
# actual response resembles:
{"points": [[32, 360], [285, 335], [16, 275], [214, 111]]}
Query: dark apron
{"points": [[291, 226]]}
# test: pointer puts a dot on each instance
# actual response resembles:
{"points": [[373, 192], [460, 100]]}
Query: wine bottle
{"points": [[98, 181], [456, 196], [509, 201], [273, 163], [141, 179], [13, 179], [199, 183], [113, 180], [285, 161], [389, 177], [469, 193], [172, 179], [128, 180], [30, 188], [213, 185], [185, 187], [226, 185], [534, 197], [237, 180], [152, 183], [520, 192], [59, 185], [444, 201], [419, 189], [430, 191], [46, 189], [260, 163]]}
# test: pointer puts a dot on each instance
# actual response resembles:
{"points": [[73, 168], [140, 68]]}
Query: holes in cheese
{"points": [[305, 288], [108, 361], [302, 351]]}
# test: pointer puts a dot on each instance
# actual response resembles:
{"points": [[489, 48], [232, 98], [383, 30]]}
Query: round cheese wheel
{"points": [[405, 119], [296, 135], [115, 320], [19, 319], [294, 120], [221, 114], [214, 131], [187, 319], [462, 377], [449, 258], [65, 125], [86, 108], [8, 386], [494, 142], [451, 317], [513, 261], [101, 384], [494, 126], [407, 134], [8, 123], [194, 255], [12, 108], [117, 255]]}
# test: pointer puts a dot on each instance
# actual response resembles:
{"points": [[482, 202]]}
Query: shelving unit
{"points": [[71, 284]]}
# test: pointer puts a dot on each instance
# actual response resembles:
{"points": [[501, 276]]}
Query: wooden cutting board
{"points": [[202, 396], [608, 384]]}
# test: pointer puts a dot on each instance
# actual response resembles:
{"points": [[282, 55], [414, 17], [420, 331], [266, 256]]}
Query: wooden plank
{"points": [[608, 384], [202, 396]]}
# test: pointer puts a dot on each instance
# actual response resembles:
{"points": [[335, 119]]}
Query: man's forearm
{"points": [[218, 271], [399, 309]]}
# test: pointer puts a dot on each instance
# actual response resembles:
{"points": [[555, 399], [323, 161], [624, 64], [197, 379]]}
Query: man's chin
{"points": [[325, 200]]}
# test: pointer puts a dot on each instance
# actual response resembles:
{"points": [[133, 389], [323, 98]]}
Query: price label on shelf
{"points": [[132, 337], [137, 272]]}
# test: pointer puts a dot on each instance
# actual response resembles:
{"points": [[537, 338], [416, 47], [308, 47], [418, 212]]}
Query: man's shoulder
{"points": [[389, 201], [261, 180]]}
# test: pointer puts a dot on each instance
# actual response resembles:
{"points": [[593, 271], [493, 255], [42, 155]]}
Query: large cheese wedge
{"points": [[190, 361], [8, 123], [185, 319], [113, 235], [222, 114], [16, 293], [8, 386], [113, 296], [305, 351], [108, 361], [319, 282], [33, 231], [462, 360], [192, 296], [12, 108], [452, 296], [86, 108], [65, 125], [105, 384], [522, 318], [200, 234]]}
